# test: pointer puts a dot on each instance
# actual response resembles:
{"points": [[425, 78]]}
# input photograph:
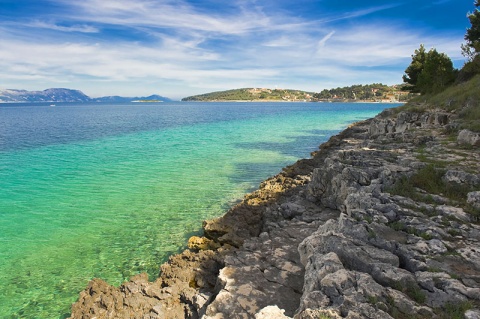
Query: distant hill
{"points": [[376, 92], [67, 95], [49, 95], [120, 99], [252, 94]]}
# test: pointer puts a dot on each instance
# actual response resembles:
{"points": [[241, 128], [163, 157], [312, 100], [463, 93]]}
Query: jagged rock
{"points": [[266, 270], [271, 312], [454, 212], [461, 177], [128, 301], [473, 198], [469, 138], [327, 236], [202, 243], [472, 314], [318, 313], [436, 118]]}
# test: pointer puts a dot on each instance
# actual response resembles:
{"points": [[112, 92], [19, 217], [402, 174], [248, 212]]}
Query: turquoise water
{"points": [[110, 191]]}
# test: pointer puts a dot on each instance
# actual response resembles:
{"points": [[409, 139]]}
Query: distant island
{"points": [[253, 94], [68, 95], [376, 92]]}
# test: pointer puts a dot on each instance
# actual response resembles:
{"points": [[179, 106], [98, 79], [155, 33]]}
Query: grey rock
{"points": [[469, 138], [454, 212], [472, 314], [461, 177], [271, 312], [325, 236], [473, 198]]}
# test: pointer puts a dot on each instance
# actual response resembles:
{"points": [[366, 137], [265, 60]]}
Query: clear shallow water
{"points": [[110, 191]]}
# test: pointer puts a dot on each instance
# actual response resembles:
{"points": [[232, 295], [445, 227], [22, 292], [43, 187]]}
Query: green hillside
{"points": [[461, 98], [252, 94], [371, 92], [376, 92]]}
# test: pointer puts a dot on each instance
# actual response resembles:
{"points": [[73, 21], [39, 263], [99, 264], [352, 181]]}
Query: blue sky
{"points": [[181, 48]]}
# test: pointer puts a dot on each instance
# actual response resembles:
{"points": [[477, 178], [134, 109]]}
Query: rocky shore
{"points": [[381, 222]]}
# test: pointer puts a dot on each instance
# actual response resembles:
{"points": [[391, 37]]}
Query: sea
{"points": [[112, 190]]}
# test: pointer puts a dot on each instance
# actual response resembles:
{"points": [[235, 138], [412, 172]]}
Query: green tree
{"points": [[472, 47], [437, 73], [415, 68], [429, 71]]}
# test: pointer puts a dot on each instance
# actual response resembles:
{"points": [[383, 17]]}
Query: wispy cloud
{"points": [[176, 15], [143, 46], [358, 13], [83, 28], [324, 40]]}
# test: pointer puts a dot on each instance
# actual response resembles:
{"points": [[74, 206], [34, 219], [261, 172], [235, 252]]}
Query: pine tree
{"points": [[415, 68], [472, 46], [429, 71]]}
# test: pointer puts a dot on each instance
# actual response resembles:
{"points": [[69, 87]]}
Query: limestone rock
{"points": [[473, 198], [202, 243], [472, 314], [271, 312], [334, 235], [469, 138]]}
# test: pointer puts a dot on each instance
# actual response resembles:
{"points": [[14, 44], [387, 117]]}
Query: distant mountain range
{"points": [[68, 95]]}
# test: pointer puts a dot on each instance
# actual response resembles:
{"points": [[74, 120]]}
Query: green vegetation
{"points": [[429, 72], [454, 310], [430, 180], [434, 269], [415, 292], [401, 226], [471, 48], [415, 68], [252, 94], [462, 98], [370, 92]]}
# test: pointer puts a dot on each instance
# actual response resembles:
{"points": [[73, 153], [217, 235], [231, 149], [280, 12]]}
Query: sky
{"points": [[187, 47]]}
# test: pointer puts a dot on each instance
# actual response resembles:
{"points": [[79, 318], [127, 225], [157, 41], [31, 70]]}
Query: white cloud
{"points": [[83, 28], [189, 51], [324, 40], [167, 14]]}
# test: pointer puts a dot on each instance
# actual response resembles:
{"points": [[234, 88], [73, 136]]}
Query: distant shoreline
{"points": [[281, 101]]}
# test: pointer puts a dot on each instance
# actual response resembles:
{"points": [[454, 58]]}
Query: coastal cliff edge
{"points": [[381, 222]]}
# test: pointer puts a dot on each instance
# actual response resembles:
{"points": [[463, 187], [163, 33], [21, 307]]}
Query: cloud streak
{"points": [[83, 28], [142, 47]]}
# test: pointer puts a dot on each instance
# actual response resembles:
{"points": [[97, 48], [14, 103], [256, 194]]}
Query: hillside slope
{"points": [[67, 95], [252, 94], [48, 95]]}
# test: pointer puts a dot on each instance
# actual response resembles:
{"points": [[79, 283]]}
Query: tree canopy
{"points": [[354, 92], [472, 37], [415, 68], [471, 48], [429, 72]]}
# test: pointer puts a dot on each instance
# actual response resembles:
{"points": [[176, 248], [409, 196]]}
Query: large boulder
{"points": [[469, 138]]}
